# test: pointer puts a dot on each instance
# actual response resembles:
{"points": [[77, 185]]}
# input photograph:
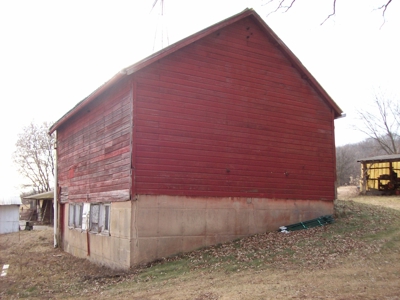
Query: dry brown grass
{"points": [[355, 258], [351, 192]]}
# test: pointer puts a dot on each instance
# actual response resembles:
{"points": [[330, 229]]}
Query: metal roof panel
{"points": [[10, 200], [41, 196], [381, 158]]}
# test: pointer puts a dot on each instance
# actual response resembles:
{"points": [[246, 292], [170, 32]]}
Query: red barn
{"points": [[221, 135]]}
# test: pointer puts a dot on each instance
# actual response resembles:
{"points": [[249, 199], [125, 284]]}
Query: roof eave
{"points": [[86, 101], [298, 65], [381, 158], [41, 196], [10, 201]]}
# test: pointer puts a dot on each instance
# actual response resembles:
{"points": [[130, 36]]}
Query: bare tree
{"points": [[285, 5], [382, 123], [34, 156], [347, 168], [346, 164]]}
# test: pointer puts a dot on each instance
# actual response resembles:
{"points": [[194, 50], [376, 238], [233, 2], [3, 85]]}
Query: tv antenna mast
{"points": [[161, 38]]}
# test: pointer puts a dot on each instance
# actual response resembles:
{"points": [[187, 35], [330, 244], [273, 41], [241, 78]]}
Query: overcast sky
{"points": [[55, 53]]}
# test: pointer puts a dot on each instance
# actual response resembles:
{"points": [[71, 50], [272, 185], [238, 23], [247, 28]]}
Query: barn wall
{"points": [[9, 218], [180, 224], [110, 250], [230, 116], [94, 149]]}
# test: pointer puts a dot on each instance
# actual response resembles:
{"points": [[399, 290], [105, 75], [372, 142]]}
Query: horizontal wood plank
{"points": [[230, 116], [94, 152]]}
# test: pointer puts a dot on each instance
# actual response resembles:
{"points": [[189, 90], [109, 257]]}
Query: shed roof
{"points": [[10, 200], [193, 38], [381, 158], [41, 196]]}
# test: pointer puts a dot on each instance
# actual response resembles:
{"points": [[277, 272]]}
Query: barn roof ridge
{"points": [[248, 12]]}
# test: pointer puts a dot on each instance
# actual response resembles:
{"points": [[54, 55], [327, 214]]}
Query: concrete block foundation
{"points": [[153, 227]]}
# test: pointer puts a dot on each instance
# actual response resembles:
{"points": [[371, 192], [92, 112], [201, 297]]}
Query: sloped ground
{"points": [[347, 192], [355, 258]]}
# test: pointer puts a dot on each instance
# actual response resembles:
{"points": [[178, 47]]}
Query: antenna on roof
{"points": [[161, 34]]}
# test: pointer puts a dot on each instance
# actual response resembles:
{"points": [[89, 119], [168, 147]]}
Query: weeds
{"points": [[359, 232]]}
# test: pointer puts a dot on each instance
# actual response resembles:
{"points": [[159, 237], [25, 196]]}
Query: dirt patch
{"points": [[347, 192], [355, 258]]}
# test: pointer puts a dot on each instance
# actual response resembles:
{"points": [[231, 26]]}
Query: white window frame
{"points": [[85, 216]]}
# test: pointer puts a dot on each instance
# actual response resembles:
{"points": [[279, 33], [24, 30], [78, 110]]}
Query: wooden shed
{"points": [[42, 207], [380, 174], [9, 214], [219, 136]]}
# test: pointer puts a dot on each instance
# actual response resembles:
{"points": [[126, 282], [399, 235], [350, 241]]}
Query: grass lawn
{"points": [[357, 257]]}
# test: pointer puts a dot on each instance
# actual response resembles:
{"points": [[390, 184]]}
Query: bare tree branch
{"points": [[384, 7], [285, 6], [154, 4], [382, 124], [281, 6], [345, 161], [34, 156], [332, 14]]}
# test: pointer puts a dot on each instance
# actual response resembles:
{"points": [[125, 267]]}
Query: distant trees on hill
{"points": [[348, 170], [380, 121]]}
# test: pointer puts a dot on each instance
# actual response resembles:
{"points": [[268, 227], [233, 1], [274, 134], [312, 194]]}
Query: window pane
{"points": [[107, 217], [101, 217], [71, 215], [95, 213], [78, 215], [94, 217]]}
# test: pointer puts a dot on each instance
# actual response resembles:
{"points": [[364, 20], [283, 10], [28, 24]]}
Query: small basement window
{"points": [[71, 210], [75, 215], [78, 215], [107, 210], [100, 217]]}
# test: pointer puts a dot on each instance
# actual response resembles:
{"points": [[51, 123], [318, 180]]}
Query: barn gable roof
{"points": [[195, 37]]}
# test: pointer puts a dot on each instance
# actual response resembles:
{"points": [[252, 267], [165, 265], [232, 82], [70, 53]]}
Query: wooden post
{"points": [[364, 174]]}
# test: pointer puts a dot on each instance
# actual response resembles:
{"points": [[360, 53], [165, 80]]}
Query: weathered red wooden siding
{"points": [[230, 116], [94, 149]]}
